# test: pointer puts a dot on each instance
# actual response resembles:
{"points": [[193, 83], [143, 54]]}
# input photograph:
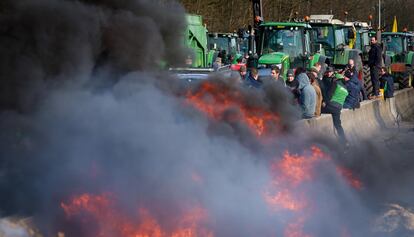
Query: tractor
{"points": [[363, 32], [333, 38], [400, 50], [196, 39], [286, 45], [230, 43]]}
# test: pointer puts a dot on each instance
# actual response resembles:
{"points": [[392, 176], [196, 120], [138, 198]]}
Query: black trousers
{"points": [[336, 119], [375, 79]]}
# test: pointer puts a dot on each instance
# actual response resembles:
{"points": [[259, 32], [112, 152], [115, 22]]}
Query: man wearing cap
{"points": [[292, 84], [326, 81], [333, 103], [353, 86]]}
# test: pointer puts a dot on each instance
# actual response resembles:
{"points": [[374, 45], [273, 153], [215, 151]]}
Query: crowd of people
{"points": [[328, 92]]}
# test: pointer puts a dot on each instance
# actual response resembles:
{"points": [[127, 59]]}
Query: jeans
{"points": [[335, 111], [375, 79]]}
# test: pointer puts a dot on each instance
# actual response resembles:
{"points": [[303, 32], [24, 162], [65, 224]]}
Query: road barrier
{"points": [[371, 117]]}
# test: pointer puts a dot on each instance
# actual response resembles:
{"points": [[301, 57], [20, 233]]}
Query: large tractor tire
{"points": [[404, 80], [366, 76]]}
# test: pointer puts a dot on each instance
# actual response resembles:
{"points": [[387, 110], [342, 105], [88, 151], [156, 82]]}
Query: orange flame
{"points": [[216, 100], [112, 222], [295, 229], [288, 174], [349, 177]]}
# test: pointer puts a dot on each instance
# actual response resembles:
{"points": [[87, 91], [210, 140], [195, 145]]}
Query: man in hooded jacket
{"points": [[307, 99]]}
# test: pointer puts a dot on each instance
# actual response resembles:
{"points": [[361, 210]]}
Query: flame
{"points": [[286, 192], [216, 100], [101, 209], [287, 175], [350, 177], [295, 229]]}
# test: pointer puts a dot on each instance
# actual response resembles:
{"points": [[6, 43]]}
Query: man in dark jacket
{"points": [[375, 63], [353, 87], [351, 67], [253, 79], [326, 82], [293, 85], [387, 83]]}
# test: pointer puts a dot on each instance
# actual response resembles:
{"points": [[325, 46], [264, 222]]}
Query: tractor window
{"points": [[339, 37], [358, 41], [283, 40], [410, 41], [394, 44], [324, 35], [365, 39], [307, 42], [220, 43]]}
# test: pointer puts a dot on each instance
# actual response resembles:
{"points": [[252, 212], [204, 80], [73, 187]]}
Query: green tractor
{"points": [[286, 45], [363, 32], [333, 39], [196, 39], [400, 50], [230, 43]]}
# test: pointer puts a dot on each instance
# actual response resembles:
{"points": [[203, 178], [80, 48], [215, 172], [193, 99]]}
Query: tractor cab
{"points": [[284, 44], [229, 43], [333, 38], [399, 48], [398, 44], [362, 41]]}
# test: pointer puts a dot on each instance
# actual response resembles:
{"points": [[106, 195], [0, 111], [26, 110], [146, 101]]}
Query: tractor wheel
{"points": [[367, 80], [404, 80]]}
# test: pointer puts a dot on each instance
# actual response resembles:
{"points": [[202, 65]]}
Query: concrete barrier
{"points": [[372, 116]]}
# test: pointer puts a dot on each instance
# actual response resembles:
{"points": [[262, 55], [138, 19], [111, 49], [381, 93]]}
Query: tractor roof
{"points": [[397, 33], [325, 19], [287, 24], [222, 34]]}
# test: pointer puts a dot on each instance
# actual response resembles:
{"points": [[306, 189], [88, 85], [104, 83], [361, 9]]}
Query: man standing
{"points": [[307, 98], [387, 83], [375, 63]]}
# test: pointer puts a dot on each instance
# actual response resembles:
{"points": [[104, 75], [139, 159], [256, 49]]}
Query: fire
{"points": [[287, 176], [286, 191], [349, 177], [101, 209], [295, 229], [217, 101]]}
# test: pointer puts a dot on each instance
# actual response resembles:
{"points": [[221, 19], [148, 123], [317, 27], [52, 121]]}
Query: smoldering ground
{"points": [[86, 110]]}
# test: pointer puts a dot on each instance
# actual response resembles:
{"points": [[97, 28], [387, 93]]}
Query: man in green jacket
{"points": [[333, 102]]}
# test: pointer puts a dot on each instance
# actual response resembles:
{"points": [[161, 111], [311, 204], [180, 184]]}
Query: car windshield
{"points": [[283, 40], [394, 44]]}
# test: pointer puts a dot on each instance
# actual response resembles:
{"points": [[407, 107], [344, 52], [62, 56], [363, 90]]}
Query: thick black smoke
{"points": [[85, 108], [56, 40]]}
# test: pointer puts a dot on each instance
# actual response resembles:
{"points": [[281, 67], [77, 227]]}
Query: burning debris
{"points": [[102, 209]]}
